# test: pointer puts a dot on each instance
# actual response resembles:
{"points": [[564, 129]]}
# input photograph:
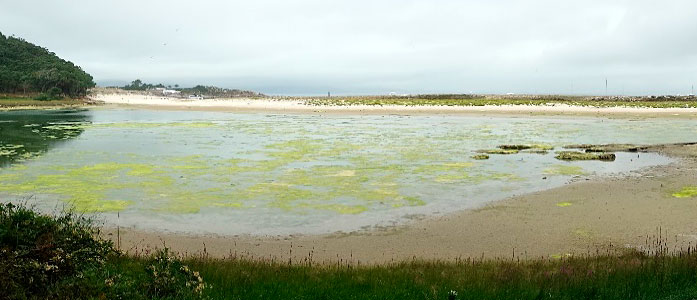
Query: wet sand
{"points": [[605, 214]]}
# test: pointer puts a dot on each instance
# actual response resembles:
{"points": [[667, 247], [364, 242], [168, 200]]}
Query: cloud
{"points": [[311, 46]]}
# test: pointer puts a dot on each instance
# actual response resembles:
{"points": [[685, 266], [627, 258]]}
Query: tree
{"points": [[28, 68]]}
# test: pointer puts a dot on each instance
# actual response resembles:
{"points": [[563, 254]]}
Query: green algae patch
{"points": [[182, 201], [686, 192], [564, 204], [564, 170], [320, 187], [338, 208], [108, 206], [574, 155], [535, 151], [450, 178], [526, 147], [499, 151], [440, 168], [66, 126], [606, 147], [502, 176], [145, 125], [87, 188], [480, 157]]}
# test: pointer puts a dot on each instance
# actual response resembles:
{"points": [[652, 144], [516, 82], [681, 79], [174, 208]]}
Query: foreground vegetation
{"points": [[482, 100], [62, 258], [45, 257], [631, 276]]}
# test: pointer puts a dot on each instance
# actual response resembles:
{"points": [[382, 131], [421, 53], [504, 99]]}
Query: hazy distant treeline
{"points": [[203, 90]]}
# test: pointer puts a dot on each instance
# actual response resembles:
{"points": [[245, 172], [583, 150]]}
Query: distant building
{"points": [[170, 92], [195, 97]]}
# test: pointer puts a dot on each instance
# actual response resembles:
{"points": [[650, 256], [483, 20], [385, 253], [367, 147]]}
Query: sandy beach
{"points": [[601, 214], [299, 105]]}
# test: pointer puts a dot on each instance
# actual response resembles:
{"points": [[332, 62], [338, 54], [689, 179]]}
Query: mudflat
{"points": [[586, 216]]}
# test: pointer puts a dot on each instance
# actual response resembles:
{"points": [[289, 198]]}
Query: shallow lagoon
{"points": [[234, 173]]}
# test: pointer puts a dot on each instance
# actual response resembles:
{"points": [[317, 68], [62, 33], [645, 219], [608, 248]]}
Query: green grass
{"points": [[27, 102], [12, 101], [425, 100], [631, 276]]}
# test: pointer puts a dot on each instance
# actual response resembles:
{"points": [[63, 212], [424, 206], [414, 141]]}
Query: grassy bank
{"points": [[476, 100], [632, 276], [10, 101], [60, 258]]}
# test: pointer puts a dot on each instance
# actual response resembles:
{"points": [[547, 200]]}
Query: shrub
{"points": [[169, 278], [62, 257], [47, 97], [37, 251]]}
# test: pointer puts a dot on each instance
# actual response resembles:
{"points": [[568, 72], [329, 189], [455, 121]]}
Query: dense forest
{"points": [[28, 68]]}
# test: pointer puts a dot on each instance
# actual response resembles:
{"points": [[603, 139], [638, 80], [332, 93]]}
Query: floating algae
{"points": [[480, 157], [564, 204], [686, 192], [477, 178], [189, 202], [86, 188], [573, 155], [306, 188], [564, 170]]}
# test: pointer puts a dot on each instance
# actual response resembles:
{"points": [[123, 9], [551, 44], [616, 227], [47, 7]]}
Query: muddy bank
{"points": [[582, 217]]}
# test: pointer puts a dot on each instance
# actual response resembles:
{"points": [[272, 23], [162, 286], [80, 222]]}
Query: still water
{"points": [[253, 173]]}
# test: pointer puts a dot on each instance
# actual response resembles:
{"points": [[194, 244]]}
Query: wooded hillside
{"points": [[28, 68]]}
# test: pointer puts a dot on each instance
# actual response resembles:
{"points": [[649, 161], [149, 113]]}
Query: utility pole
{"points": [[605, 86]]}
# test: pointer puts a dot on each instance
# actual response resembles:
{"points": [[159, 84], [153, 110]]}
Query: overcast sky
{"points": [[373, 47]]}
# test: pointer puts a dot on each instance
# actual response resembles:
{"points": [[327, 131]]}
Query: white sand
{"points": [[299, 104]]}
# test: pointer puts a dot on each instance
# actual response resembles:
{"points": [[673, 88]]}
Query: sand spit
{"points": [[300, 106]]}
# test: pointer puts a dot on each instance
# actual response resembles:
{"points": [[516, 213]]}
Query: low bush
{"points": [[62, 257]]}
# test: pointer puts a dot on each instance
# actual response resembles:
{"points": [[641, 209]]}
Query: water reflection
{"points": [[30, 133]]}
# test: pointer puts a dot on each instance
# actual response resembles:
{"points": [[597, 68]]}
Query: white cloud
{"points": [[360, 46]]}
